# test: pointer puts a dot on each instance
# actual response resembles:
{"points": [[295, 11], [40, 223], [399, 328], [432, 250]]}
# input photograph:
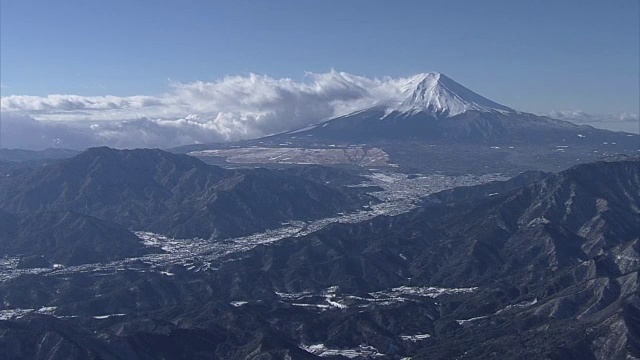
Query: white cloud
{"points": [[320, 96], [235, 107], [23, 131]]}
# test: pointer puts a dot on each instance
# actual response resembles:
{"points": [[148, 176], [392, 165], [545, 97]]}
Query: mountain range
{"points": [[543, 266], [92, 194]]}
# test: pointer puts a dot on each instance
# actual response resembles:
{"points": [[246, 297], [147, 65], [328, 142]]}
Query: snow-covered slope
{"points": [[437, 94]]}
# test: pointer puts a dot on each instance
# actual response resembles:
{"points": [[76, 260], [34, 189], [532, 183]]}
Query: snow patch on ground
{"points": [[362, 351], [310, 127], [467, 321], [292, 296], [331, 298], [415, 338], [102, 317], [520, 305], [431, 292], [10, 314], [358, 155], [383, 177]]}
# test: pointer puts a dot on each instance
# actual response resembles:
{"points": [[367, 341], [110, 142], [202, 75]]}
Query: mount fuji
{"points": [[437, 94], [433, 123], [434, 107]]}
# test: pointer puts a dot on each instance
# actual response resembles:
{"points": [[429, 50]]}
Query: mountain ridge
{"points": [[468, 274], [172, 194]]}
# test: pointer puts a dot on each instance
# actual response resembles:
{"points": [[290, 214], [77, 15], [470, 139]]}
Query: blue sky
{"points": [[538, 56], [174, 60]]}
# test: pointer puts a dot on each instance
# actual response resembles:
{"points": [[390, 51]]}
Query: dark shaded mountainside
{"points": [[156, 191], [548, 270]]}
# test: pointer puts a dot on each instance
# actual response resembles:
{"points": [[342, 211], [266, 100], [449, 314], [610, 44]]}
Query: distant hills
{"points": [[543, 266], [33, 155]]}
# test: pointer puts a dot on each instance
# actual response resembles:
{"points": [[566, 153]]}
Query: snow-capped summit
{"points": [[436, 93]]}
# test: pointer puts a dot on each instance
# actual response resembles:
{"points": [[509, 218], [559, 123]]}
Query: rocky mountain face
{"points": [[176, 195], [543, 266]]}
